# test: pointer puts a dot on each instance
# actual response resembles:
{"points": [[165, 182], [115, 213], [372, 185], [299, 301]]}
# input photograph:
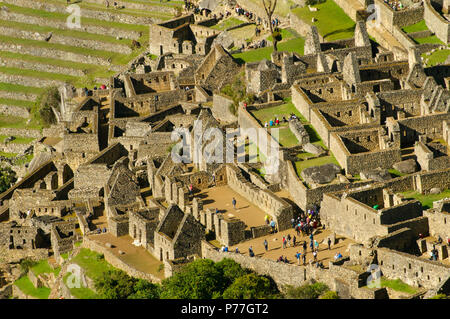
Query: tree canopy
{"points": [[7, 178]]}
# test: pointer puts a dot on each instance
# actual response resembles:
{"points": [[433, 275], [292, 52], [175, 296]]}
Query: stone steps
{"points": [[65, 40], [89, 11], [61, 24]]}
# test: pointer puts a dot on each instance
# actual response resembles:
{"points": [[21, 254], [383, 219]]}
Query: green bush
{"points": [[42, 111], [7, 178], [26, 264], [306, 291], [330, 295], [440, 296], [277, 35]]}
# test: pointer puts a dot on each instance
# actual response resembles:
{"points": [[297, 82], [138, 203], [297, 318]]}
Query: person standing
{"points": [[272, 224], [266, 245], [234, 203], [316, 245], [297, 255], [315, 255], [329, 243], [294, 241], [304, 258], [250, 251], [304, 246], [284, 242], [288, 239]]}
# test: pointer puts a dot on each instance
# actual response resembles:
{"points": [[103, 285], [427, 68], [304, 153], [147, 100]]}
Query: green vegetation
{"points": [[19, 88], [419, 26], [7, 178], [42, 267], [93, 263], [430, 39], [330, 295], [20, 103], [293, 45], [42, 111], [306, 291], [440, 296], [301, 165], [426, 199], [332, 22], [395, 173], [397, 285], [238, 92], [116, 284], [437, 57], [25, 285], [204, 279], [227, 23]]}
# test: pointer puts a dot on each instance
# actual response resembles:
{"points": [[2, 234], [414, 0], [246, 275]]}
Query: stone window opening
{"points": [[349, 113], [409, 266]]}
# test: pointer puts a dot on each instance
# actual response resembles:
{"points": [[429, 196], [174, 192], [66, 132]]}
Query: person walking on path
{"points": [[250, 251], [294, 241], [316, 245], [304, 246], [234, 203], [266, 245], [304, 258], [284, 242], [329, 243], [315, 255], [288, 239]]}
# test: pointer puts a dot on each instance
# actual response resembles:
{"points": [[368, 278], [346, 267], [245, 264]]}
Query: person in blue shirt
{"points": [[297, 255]]}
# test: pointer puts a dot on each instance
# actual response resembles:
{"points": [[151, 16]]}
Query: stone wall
{"points": [[412, 270], [221, 108], [390, 18], [14, 111], [340, 279], [16, 255], [436, 23], [28, 81], [13, 147], [276, 207]]}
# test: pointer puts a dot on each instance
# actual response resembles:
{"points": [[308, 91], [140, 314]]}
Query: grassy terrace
{"points": [[94, 264], [332, 22], [283, 6], [68, 33], [437, 57], [19, 88], [18, 140], [227, 23], [426, 199], [17, 122], [20, 103], [398, 285], [25, 285], [63, 17], [102, 7], [293, 45], [419, 26]]}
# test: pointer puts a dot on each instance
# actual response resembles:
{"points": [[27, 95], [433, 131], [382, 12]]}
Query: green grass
{"points": [[20, 88], [397, 285], [228, 23], [68, 33], [431, 39], [395, 173], [301, 165], [436, 57], [81, 293], [17, 140], [90, 261], [42, 267], [25, 285], [63, 17], [426, 199], [286, 34], [283, 6], [286, 138], [8, 155], [20, 103], [419, 26], [332, 22], [17, 122], [293, 45], [24, 160]]}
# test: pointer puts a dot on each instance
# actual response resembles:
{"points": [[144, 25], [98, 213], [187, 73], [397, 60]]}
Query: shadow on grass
{"points": [[340, 31]]}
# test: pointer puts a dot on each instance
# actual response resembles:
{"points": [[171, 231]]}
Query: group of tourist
{"points": [[269, 221], [395, 5], [276, 121]]}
